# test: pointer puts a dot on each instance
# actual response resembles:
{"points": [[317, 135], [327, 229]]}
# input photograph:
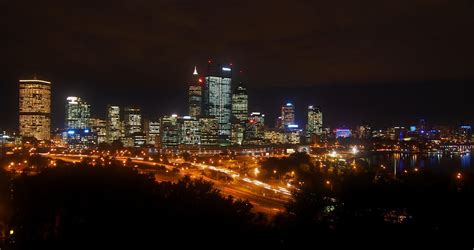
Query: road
{"points": [[265, 198]]}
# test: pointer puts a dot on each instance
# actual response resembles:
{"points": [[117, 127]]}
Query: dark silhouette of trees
{"points": [[424, 206], [115, 205]]}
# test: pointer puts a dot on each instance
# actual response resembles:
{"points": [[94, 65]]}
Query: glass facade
{"points": [[78, 113], [240, 107], [217, 99], [132, 121]]}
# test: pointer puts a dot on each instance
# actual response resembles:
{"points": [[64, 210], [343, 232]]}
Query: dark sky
{"points": [[382, 62]]}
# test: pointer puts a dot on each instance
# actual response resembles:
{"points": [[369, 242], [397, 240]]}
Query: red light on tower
{"points": [[200, 80], [209, 61]]}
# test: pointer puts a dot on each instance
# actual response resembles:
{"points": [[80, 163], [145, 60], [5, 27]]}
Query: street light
{"points": [[355, 150], [329, 183]]}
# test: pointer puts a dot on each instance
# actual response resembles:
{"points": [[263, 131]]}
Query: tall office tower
{"points": [[35, 109], [114, 124], [132, 121], [152, 131], [169, 131], [255, 129], [314, 128], [209, 127], [189, 134], [78, 113], [195, 95], [287, 115], [217, 98], [237, 133], [99, 129], [240, 104]]}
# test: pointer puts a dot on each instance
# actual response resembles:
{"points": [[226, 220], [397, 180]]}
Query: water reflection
{"points": [[400, 161]]}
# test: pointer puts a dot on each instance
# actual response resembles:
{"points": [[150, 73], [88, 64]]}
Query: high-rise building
{"points": [[114, 124], [132, 121], [78, 113], [209, 127], [287, 115], [255, 129], [35, 109], [190, 134], [240, 108], [275, 137], [195, 95], [152, 131], [169, 131], [314, 128], [293, 136], [217, 99], [237, 133], [99, 129]]}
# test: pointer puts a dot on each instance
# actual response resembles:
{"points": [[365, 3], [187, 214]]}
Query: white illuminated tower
{"points": [[78, 113], [217, 98]]}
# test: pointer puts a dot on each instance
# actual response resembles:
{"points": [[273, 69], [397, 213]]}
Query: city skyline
{"points": [[268, 124], [432, 109], [317, 50]]}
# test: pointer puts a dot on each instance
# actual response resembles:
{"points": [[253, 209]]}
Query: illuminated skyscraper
{"points": [[114, 130], [217, 99], [35, 109], [315, 123], [189, 131], [287, 115], [195, 95], [132, 121], [152, 131], [254, 129], [78, 113], [169, 131], [209, 127], [240, 108], [99, 129]]}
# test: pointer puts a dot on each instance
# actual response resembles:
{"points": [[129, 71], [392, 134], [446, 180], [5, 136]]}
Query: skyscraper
{"points": [[287, 115], [195, 95], [315, 123], [132, 121], [217, 99], [152, 131], [240, 108], [189, 131], [99, 129], [254, 129], [78, 113], [114, 130], [169, 131], [209, 128], [35, 109]]}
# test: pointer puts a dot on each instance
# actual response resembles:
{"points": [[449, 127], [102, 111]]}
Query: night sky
{"points": [[380, 62]]}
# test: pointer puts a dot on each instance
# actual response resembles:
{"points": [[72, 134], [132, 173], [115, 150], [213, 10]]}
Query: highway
{"points": [[265, 198]]}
